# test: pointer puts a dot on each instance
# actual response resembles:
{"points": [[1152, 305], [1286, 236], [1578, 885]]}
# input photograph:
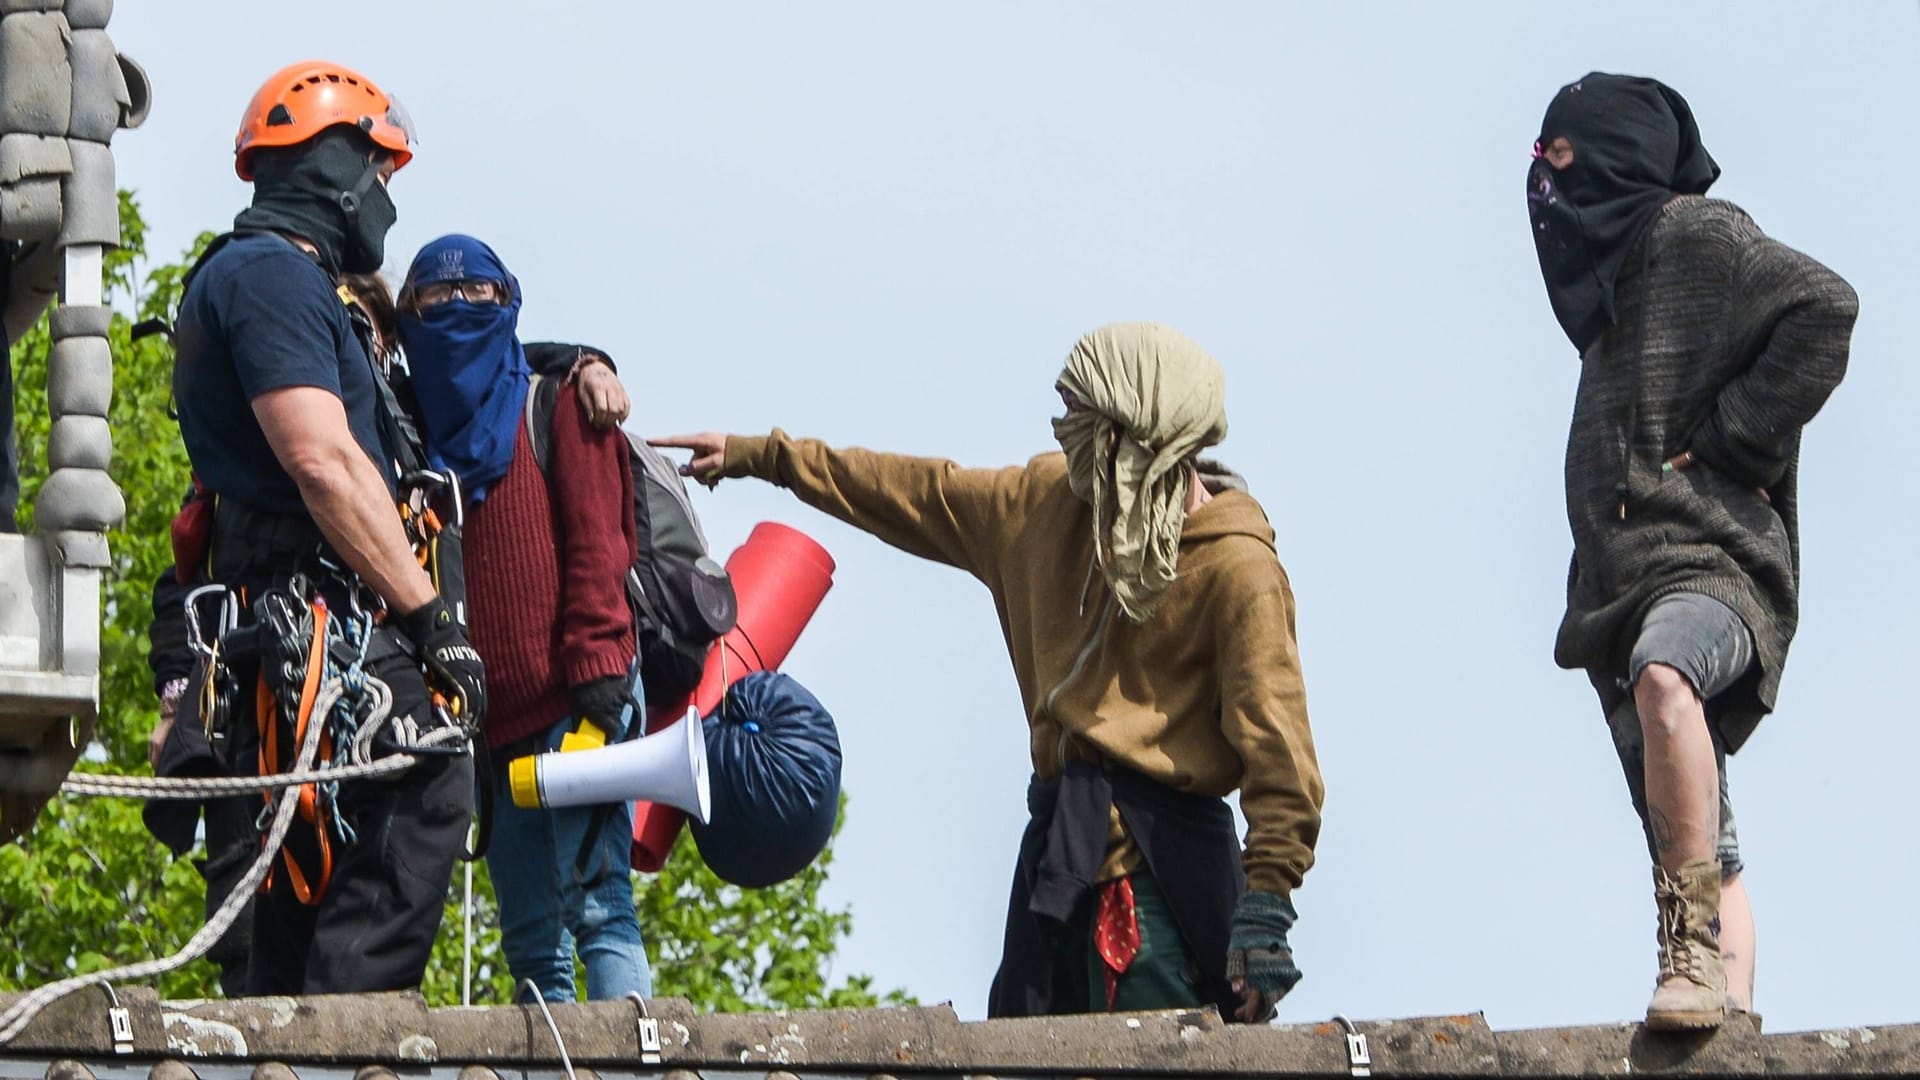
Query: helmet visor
{"points": [[398, 116]]}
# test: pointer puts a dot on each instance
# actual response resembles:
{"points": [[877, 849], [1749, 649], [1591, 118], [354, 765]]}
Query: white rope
{"points": [[372, 694], [112, 785], [361, 752], [21, 1013], [174, 787], [538, 999]]}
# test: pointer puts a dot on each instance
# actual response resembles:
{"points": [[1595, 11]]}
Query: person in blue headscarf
{"points": [[458, 326], [547, 553]]}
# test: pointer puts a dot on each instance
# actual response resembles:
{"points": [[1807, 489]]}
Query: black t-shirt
{"points": [[261, 315]]}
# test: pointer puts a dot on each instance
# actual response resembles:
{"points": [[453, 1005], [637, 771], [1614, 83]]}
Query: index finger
{"points": [[680, 442]]}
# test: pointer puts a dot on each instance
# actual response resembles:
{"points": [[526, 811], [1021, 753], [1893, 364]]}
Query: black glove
{"points": [[1258, 957], [602, 701], [453, 667]]}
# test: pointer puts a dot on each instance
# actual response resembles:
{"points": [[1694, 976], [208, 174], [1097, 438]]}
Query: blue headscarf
{"points": [[468, 370]]}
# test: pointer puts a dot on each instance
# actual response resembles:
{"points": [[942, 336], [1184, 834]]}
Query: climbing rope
{"points": [[357, 763], [21, 1013], [207, 787], [351, 705], [108, 785], [566, 1060]]}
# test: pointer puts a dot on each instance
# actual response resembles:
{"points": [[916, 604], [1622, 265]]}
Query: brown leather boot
{"points": [[1692, 992]]}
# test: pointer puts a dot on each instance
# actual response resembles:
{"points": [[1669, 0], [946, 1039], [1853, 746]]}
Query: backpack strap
{"points": [[542, 392], [483, 812], [397, 429], [541, 395], [213, 246]]}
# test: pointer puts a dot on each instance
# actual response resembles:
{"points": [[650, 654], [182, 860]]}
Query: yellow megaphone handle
{"points": [[523, 778], [587, 736]]}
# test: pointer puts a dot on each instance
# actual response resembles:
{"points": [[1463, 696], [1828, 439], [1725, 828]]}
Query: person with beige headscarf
{"points": [[1151, 629]]}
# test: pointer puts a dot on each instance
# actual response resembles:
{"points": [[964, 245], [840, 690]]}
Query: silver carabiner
{"points": [[423, 482], [459, 504], [228, 619]]}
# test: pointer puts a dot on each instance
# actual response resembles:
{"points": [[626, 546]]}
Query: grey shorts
{"points": [[1704, 640]]}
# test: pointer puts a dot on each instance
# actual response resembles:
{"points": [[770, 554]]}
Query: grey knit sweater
{"points": [[1726, 343]]}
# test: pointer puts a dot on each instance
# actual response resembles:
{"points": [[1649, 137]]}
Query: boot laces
{"points": [[1680, 954]]}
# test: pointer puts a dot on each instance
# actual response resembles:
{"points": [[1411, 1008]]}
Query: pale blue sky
{"points": [[885, 224]]}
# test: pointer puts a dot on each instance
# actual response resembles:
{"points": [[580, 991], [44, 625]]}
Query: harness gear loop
{"points": [[310, 893]]}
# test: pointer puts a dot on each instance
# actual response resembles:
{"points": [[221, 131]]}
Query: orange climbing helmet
{"points": [[302, 100]]}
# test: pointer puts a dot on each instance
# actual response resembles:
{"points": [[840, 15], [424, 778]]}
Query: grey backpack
{"points": [[682, 599]]}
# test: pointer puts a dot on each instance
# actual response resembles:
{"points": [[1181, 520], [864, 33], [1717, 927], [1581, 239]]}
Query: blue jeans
{"points": [[549, 905]]}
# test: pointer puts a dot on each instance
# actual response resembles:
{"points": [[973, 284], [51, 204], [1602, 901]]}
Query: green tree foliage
{"points": [[90, 889], [734, 949], [149, 464]]}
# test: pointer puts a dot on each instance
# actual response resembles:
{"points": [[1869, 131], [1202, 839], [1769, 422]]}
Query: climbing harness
{"points": [[293, 640], [321, 716], [18, 1015], [433, 515], [315, 660], [302, 642]]}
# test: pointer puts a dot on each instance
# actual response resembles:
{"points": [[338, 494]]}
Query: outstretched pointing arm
{"points": [[928, 507]]}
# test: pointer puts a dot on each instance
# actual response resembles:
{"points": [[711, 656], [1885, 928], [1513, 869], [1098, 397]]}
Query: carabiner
{"points": [[229, 618]]}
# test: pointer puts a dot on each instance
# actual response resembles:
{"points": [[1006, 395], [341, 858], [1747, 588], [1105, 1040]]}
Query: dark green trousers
{"points": [[1160, 977]]}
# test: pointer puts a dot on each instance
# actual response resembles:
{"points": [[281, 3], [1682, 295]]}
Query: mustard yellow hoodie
{"points": [[1205, 696]]}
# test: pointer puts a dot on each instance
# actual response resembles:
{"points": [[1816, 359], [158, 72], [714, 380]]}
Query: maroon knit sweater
{"points": [[546, 562]]}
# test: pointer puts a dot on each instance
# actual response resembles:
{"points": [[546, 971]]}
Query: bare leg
{"points": [[1737, 940], [1683, 812], [1683, 781]]}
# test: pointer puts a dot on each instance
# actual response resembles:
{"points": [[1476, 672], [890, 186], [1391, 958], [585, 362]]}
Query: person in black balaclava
{"points": [[1705, 347], [327, 191], [231, 840], [1639, 148], [281, 413]]}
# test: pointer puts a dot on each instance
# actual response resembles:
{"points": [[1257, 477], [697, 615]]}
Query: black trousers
{"points": [[232, 842], [232, 845], [374, 928]]}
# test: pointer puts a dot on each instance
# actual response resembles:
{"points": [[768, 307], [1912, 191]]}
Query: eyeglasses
{"points": [[472, 290]]}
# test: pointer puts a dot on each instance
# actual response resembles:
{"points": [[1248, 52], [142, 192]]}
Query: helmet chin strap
{"points": [[350, 200]]}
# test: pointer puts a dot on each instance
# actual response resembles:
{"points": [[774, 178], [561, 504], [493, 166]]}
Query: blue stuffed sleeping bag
{"points": [[773, 760]]}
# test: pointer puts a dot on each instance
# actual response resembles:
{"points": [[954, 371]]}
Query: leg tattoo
{"points": [[1662, 832]]}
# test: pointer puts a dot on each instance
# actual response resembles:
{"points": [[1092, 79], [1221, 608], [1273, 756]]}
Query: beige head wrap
{"points": [[1150, 399]]}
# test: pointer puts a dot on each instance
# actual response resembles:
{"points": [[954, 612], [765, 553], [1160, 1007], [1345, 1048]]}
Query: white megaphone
{"points": [[667, 767]]}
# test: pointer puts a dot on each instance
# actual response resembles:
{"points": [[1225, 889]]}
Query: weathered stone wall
{"points": [[64, 91], [282, 1038]]}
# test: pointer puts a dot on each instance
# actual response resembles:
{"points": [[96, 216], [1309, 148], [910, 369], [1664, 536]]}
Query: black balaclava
{"points": [[326, 191], [1635, 146]]}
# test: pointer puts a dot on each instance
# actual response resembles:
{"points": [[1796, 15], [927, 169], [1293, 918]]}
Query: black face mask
{"points": [[1635, 146], [367, 225], [327, 191]]}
